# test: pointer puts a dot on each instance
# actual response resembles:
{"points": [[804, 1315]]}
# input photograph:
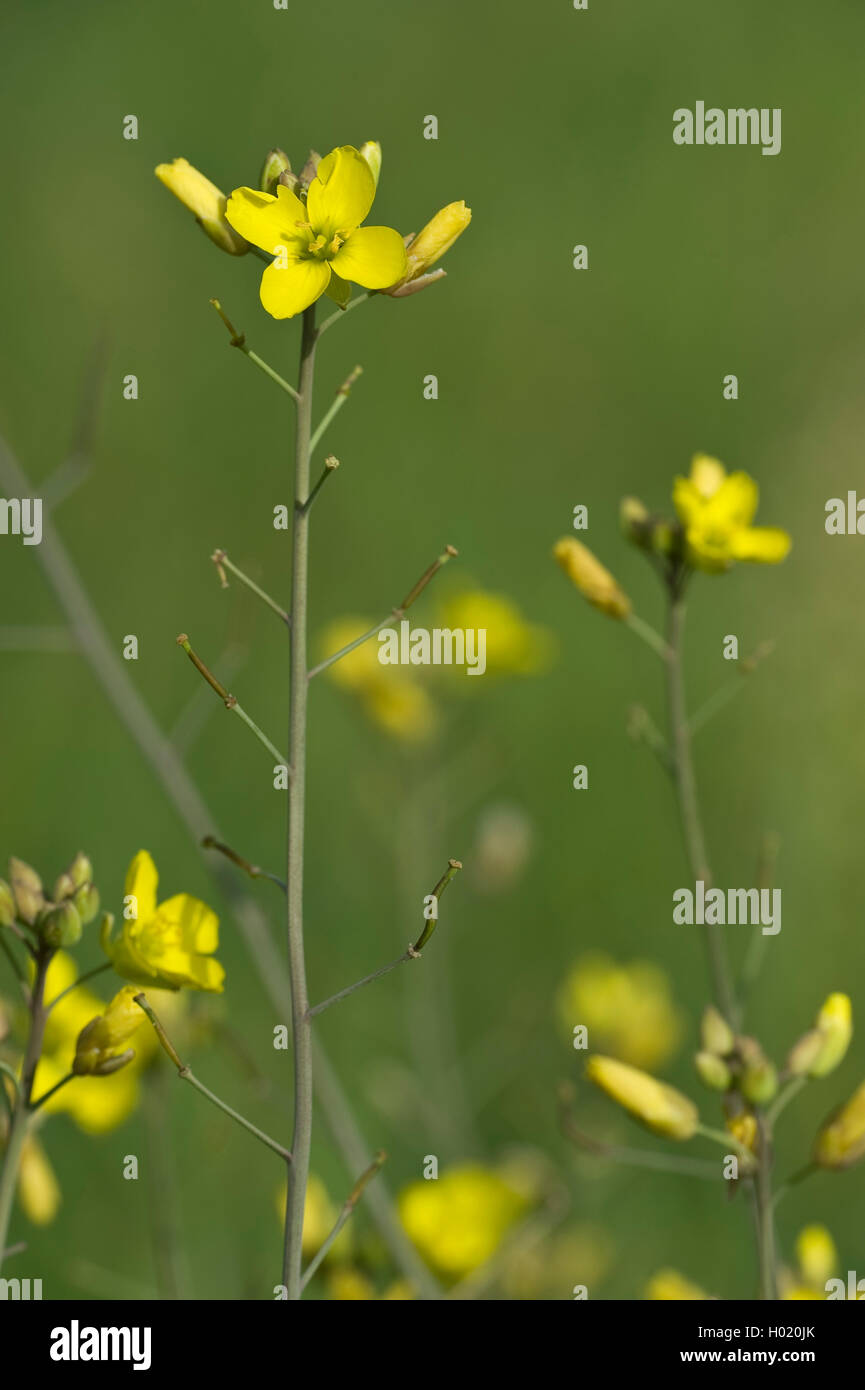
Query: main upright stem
{"points": [[298, 1170], [21, 1115]]}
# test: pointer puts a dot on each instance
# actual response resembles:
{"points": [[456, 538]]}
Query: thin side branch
{"points": [[238, 340], [348, 1207], [339, 400], [252, 869], [222, 563], [230, 701]]}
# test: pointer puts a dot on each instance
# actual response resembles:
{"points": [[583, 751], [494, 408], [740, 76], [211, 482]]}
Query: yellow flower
{"points": [[716, 509], [841, 1140], [513, 645], [166, 946], [319, 245], [588, 575], [349, 1285], [203, 199], [102, 1042], [744, 1128], [437, 237], [668, 1285], [38, 1188], [393, 699], [627, 1009], [660, 1108], [459, 1220], [95, 1103]]}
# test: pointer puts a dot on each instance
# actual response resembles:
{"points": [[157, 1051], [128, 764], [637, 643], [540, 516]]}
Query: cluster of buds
{"points": [[57, 922], [649, 530]]}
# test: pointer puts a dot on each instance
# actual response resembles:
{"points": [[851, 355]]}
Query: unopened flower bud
{"points": [[276, 163], [589, 576], [60, 926], [660, 1108], [27, 891], [309, 171], [716, 1034], [100, 1048], [635, 522], [824, 1046], [759, 1081], [63, 888], [80, 870], [370, 150], [205, 201], [841, 1139], [7, 904], [712, 1071], [86, 900], [437, 237]]}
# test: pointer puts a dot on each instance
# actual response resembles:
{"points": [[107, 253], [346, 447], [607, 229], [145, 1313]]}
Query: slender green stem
{"points": [[794, 1181], [88, 975], [728, 1141], [252, 869], [765, 1212], [647, 633], [395, 613], [336, 406], [222, 563], [185, 1073], [341, 313], [230, 701], [70, 1076], [783, 1098], [348, 1207], [689, 810], [331, 464], [15, 964], [299, 686], [21, 1114], [238, 340]]}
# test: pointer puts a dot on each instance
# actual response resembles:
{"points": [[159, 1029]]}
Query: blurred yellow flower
{"points": [[319, 245], [668, 1285], [816, 1263], [166, 946], [716, 509], [389, 696], [591, 578], [659, 1107], [627, 1009], [459, 1220], [349, 1285], [743, 1127], [38, 1188], [841, 1139], [514, 647], [822, 1049]]}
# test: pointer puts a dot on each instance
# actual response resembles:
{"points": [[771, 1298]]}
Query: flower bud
{"points": [[712, 1071], [816, 1255], [27, 891], [437, 237], [370, 150], [80, 870], [63, 888], [100, 1046], [60, 926], [309, 171], [635, 522], [661, 1108], [204, 200], [824, 1046], [7, 904], [716, 1034], [86, 900], [589, 576], [276, 163], [759, 1081], [841, 1139]]}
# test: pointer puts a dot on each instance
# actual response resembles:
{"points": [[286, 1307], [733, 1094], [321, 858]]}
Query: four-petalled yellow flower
{"points": [[320, 245], [716, 509], [166, 946]]}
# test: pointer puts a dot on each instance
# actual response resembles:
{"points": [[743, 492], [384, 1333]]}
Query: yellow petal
{"points": [[341, 194], [373, 257], [734, 503], [687, 500], [288, 289], [707, 474], [765, 544], [267, 221], [141, 881], [198, 923]]}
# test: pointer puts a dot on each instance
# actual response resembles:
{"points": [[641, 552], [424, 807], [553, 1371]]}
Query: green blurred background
{"points": [[556, 387]]}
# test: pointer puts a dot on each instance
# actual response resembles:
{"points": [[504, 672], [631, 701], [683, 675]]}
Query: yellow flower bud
{"points": [[744, 1128], [820, 1050], [816, 1254], [589, 576], [712, 1071], [716, 1034], [99, 1049], [370, 150], [841, 1140], [659, 1107], [204, 200], [27, 891], [437, 237]]}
